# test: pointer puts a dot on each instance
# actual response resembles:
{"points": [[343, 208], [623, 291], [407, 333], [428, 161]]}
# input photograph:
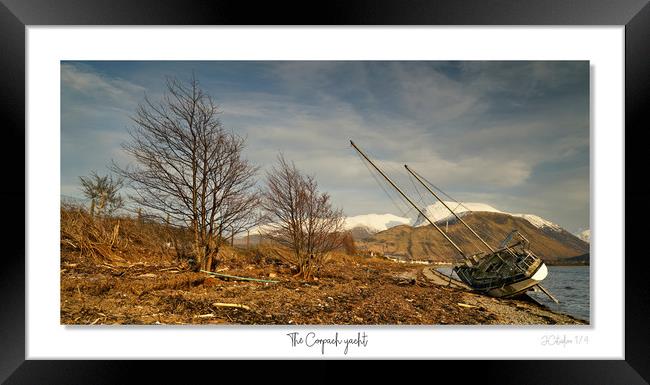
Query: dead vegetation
{"points": [[129, 279], [97, 240], [300, 218]]}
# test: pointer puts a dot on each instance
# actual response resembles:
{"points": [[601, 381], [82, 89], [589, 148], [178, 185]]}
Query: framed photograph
{"points": [[434, 181]]}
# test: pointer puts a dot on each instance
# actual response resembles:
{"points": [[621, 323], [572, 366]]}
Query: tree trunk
{"points": [[210, 259], [199, 256], [208, 263]]}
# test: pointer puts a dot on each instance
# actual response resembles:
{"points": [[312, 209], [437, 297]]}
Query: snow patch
{"points": [[538, 221], [584, 235], [438, 212], [375, 222]]}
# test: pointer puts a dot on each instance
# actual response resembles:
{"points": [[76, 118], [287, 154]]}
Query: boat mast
{"points": [[408, 199], [447, 207]]}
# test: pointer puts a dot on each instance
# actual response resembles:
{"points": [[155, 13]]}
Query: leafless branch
{"points": [[300, 217], [188, 168]]}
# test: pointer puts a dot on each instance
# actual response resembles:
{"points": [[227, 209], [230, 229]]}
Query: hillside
{"points": [[424, 242]]}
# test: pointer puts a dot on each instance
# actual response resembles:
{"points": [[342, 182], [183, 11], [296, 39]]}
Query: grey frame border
{"points": [[15, 15]]}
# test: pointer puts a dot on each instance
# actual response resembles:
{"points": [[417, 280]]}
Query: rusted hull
{"points": [[509, 286]]}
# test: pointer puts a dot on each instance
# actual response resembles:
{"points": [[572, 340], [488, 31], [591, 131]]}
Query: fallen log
{"points": [[239, 278]]}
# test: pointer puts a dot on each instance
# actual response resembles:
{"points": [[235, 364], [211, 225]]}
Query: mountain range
{"points": [[417, 239], [437, 212]]}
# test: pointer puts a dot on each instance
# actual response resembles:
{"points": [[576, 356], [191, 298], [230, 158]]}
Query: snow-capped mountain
{"points": [[424, 242], [438, 212], [538, 221], [367, 223], [375, 222], [585, 235]]}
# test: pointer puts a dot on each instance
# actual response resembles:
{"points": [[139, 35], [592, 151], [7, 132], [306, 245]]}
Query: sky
{"points": [[514, 135]]}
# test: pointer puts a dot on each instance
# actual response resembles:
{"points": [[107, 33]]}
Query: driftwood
{"points": [[204, 315], [237, 305]]}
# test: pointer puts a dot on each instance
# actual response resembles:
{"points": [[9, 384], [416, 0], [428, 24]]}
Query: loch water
{"points": [[569, 284]]}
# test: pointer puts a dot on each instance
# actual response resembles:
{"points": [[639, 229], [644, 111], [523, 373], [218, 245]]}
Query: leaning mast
{"points": [[452, 211], [408, 199]]}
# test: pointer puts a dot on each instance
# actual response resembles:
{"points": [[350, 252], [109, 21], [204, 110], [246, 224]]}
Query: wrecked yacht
{"points": [[509, 270]]}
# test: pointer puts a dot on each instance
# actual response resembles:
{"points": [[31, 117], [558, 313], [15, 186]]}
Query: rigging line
{"points": [[422, 199], [398, 172], [456, 208], [467, 235], [442, 192], [418, 176], [422, 202], [381, 185], [459, 204]]}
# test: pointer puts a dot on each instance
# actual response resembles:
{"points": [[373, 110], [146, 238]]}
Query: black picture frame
{"points": [[15, 15]]}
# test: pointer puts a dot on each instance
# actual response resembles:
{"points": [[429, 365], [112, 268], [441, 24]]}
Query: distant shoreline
{"points": [[566, 264], [573, 261]]}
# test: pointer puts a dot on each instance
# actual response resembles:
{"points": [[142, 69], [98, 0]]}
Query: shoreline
{"points": [[403, 259], [350, 291]]}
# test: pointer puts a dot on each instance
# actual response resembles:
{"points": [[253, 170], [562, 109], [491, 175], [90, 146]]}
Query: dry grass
{"points": [[349, 291], [98, 240]]}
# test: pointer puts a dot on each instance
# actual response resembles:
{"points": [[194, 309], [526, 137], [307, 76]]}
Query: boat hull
{"points": [[520, 287]]}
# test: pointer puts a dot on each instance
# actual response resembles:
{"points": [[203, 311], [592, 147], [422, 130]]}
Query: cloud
{"points": [[480, 150], [84, 81], [482, 130], [432, 98]]}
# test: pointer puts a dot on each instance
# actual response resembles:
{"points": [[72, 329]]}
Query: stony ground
{"points": [[350, 290]]}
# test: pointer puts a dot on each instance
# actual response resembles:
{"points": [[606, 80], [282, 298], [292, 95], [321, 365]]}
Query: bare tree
{"points": [[189, 169], [300, 217], [103, 192]]}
